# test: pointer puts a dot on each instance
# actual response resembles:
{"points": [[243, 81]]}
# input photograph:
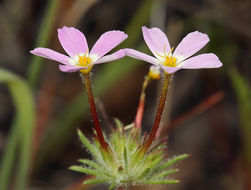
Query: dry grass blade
{"points": [[201, 107]]}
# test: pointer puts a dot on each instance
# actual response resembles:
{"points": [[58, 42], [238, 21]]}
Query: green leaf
{"points": [[125, 159], [152, 162], [94, 181], [243, 93], [118, 124], [144, 173], [160, 182], [90, 163], [155, 161], [87, 143], [44, 35], [9, 156], [84, 170], [94, 165], [21, 132], [173, 161], [112, 186], [165, 173]]}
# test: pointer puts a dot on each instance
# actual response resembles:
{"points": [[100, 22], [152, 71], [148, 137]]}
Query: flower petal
{"points": [[190, 44], [51, 54], [170, 70], [112, 57], [141, 56], [107, 42], [70, 68], [207, 60], [156, 40], [72, 40]]}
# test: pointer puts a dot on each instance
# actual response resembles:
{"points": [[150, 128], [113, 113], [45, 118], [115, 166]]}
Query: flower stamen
{"points": [[170, 61], [165, 50], [84, 61], [160, 55]]}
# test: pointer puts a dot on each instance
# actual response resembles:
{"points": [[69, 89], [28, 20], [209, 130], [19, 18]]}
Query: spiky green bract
{"points": [[126, 165]]}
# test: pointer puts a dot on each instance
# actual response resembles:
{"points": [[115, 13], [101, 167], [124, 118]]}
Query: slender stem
{"points": [[161, 106], [98, 130], [139, 115]]}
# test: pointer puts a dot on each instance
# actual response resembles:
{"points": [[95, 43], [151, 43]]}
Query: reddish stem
{"points": [[161, 106], [98, 130], [140, 111]]}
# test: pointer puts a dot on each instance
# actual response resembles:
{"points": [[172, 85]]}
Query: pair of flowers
{"points": [[80, 59]]}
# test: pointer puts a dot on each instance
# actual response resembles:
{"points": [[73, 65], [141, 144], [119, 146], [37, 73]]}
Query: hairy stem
{"points": [[161, 106], [98, 130]]}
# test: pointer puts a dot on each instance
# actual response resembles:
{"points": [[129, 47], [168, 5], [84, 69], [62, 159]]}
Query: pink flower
{"points": [[80, 59], [171, 61]]}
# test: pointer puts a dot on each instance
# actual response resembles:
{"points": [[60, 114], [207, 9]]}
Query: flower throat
{"points": [[84, 61], [170, 61]]}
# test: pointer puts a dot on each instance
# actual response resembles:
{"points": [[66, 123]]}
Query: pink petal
{"points": [[207, 60], [156, 40], [170, 70], [70, 68], [51, 54], [72, 40], [107, 42], [141, 56], [117, 55], [191, 44]]}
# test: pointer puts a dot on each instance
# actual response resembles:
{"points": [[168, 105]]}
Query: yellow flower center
{"points": [[84, 61], [170, 61]]}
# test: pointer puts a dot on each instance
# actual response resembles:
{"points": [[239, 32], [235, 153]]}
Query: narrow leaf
{"points": [[118, 124], [243, 93], [94, 181], [44, 35], [96, 166], [83, 170], [87, 143], [125, 159], [173, 161], [155, 163], [9, 157], [144, 173], [165, 173], [90, 163], [23, 121], [112, 186], [161, 182]]}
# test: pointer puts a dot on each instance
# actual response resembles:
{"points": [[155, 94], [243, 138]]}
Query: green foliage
{"points": [[127, 166], [162, 182], [21, 132], [83, 170], [243, 92], [43, 40], [94, 181], [165, 173], [173, 161], [87, 143]]}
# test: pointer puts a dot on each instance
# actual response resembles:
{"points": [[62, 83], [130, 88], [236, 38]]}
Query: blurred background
{"points": [[208, 112]]}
